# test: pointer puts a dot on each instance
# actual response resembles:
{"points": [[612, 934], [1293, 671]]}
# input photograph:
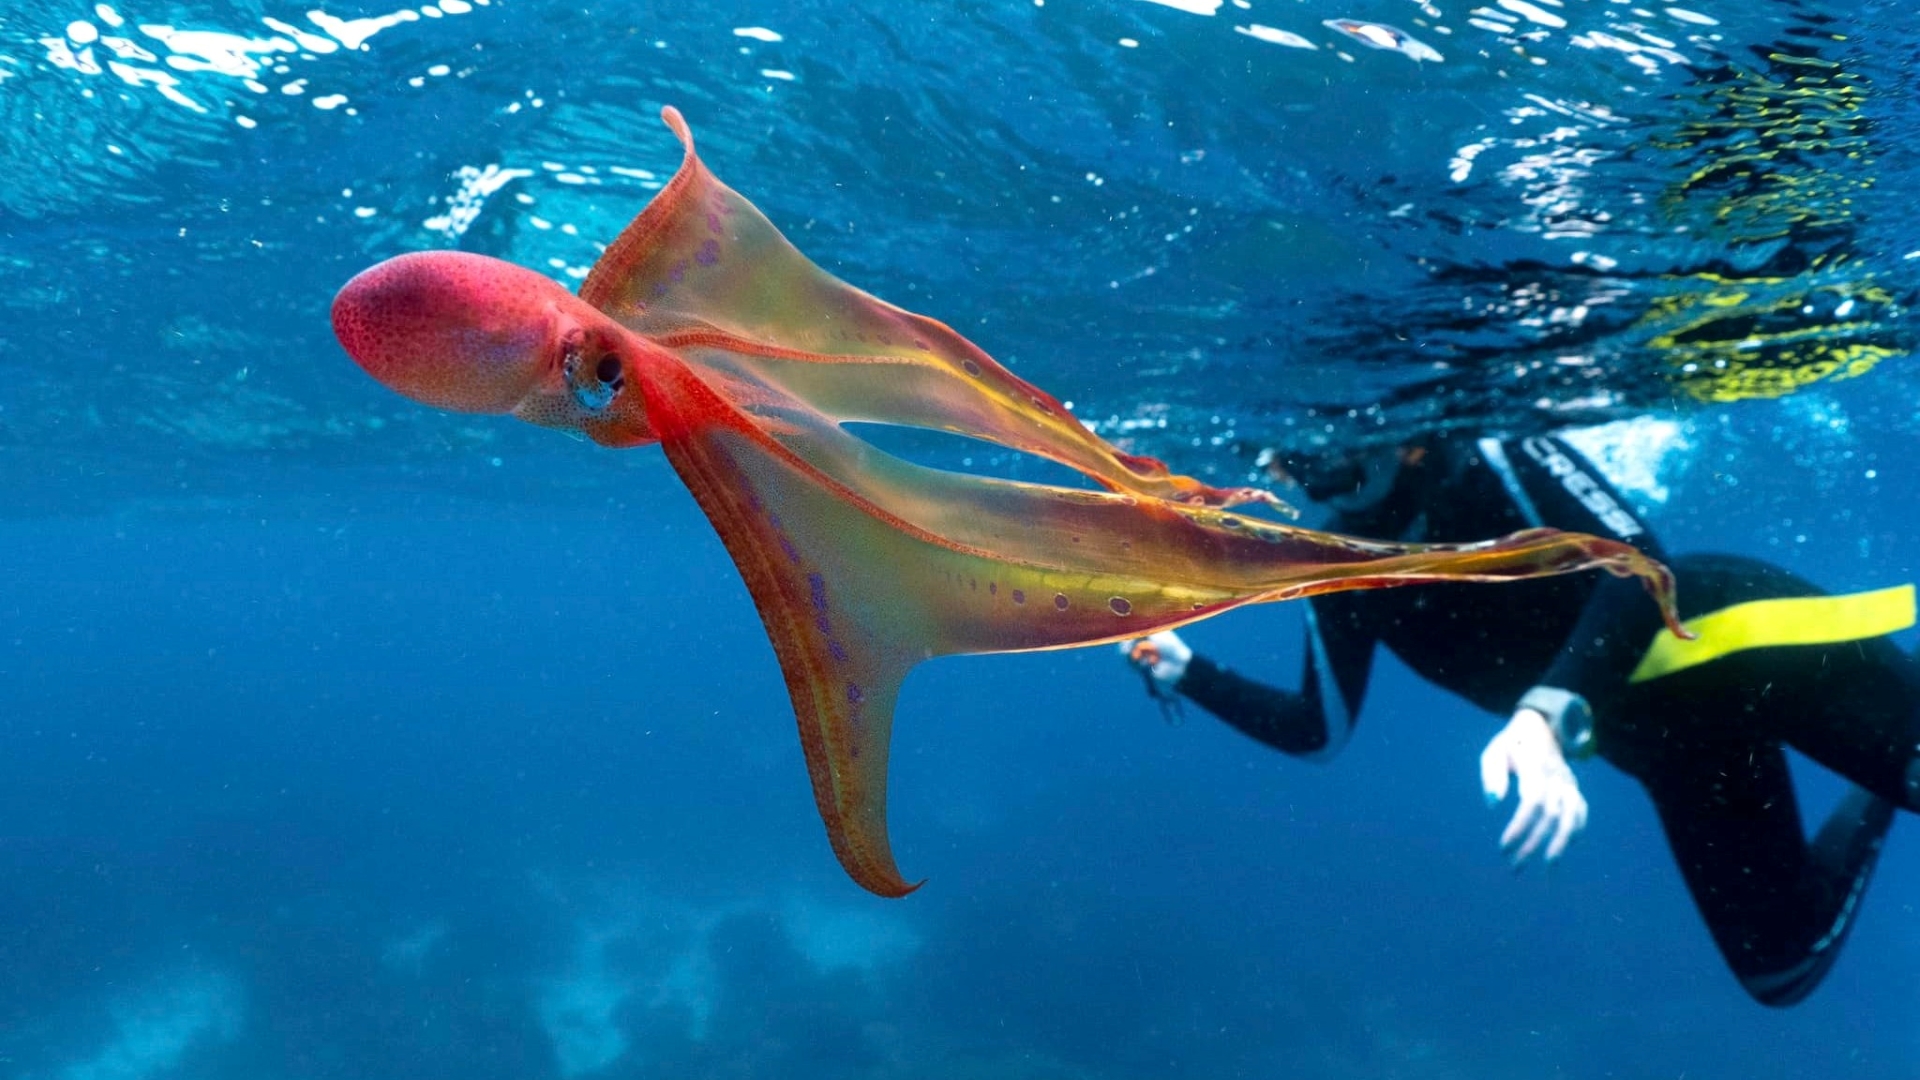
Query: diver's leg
{"points": [[1778, 908], [1857, 714], [1851, 705]]}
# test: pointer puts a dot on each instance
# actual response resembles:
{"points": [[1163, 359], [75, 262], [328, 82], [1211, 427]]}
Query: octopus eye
{"points": [[597, 390]]}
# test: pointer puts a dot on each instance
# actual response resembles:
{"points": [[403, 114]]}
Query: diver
{"points": [[1583, 666]]}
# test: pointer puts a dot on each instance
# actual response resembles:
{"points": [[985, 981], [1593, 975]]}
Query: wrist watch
{"points": [[1567, 713]]}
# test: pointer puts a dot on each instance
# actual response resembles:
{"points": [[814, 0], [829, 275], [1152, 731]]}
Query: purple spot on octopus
{"points": [[968, 366], [855, 695], [679, 271], [713, 222], [786, 548], [836, 650], [1059, 601], [708, 254], [993, 588], [921, 345], [817, 585], [1019, 596], [1121, 605]]}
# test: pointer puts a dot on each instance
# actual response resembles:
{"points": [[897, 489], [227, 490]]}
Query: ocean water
{"points": [[344, 738]]}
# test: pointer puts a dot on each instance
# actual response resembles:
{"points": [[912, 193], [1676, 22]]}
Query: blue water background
{"points": [[341, 739]]}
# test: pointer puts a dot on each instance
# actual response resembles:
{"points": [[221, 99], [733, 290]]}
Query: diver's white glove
{"points": [[1162, 658], [1551, 808]]}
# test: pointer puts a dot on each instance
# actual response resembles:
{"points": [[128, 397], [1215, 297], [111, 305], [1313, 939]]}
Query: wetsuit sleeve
{"points": [[1316, 720], [1553, 485], [1606, 644]]}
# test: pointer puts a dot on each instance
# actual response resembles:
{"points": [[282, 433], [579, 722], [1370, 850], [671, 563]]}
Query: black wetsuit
{"points": [[1706, 742]]}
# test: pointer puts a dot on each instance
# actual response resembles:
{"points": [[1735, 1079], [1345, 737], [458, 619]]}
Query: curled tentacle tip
{"points": [[1662, 587], [678, 125], [880, 878], [1670, 614], [892, 887]]}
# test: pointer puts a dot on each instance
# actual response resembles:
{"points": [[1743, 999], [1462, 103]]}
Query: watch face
{"points": [[1574, 725], [1567, 713]]}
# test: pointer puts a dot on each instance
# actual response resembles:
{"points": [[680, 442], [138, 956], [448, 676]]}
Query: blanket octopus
{"points": [[703, 330]]}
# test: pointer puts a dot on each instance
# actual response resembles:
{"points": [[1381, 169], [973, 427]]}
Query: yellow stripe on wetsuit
{"points": [[1791, 620]]}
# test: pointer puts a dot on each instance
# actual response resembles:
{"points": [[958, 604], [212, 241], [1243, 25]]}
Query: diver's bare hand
{"points": [[1551, 809], [1162, 658]]}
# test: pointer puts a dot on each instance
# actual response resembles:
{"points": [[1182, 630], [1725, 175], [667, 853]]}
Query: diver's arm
{"points": [[1312, 722], [1554, 721], [1615, 628], [1553, 485]]}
